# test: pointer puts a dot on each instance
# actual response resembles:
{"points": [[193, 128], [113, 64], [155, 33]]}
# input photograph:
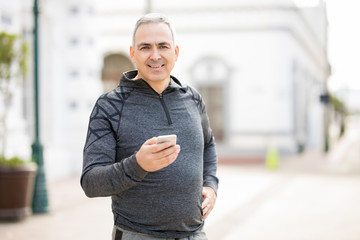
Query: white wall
{"points": [[274, 52], [70, 83]]}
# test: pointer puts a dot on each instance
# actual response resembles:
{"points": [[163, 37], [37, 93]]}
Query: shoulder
{"points": [[188, 89], [195, 96], [119, 94], [111, 102], [193, 92]]}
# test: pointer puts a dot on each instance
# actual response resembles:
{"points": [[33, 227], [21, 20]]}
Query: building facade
{"points": [[261, 67]]}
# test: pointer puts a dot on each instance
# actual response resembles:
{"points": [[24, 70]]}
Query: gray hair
{"points": [[153, 18]]}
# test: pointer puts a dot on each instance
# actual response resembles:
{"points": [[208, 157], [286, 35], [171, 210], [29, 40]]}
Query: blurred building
{"points": [[261, 67], [351, 99]]}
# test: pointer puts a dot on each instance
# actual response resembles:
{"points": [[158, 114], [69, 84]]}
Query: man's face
{"points": [[154, 53]]}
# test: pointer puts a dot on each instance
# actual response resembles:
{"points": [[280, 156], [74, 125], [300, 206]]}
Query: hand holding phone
{"points": [[152, 158]]}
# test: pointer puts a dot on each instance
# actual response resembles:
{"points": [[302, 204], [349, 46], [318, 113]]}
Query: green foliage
{"points": [[6, 55], [13, 68], [12, 52], [23, 60], [12, 162], [338, 105]]}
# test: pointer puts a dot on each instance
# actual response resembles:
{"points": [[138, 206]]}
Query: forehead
{"points": [[153, 32]]}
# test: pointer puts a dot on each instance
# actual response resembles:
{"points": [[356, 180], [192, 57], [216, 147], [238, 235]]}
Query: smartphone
{"points": [[167, 138]]}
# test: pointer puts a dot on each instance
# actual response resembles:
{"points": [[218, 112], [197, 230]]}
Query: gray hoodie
{"points": [[165, 203]]}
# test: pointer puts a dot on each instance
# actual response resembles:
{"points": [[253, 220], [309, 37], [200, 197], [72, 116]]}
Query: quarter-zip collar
{"points": [[127, 80], [140, 84]]}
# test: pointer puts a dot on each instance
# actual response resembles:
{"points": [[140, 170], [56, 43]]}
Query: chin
{"points": [[158, 78]]}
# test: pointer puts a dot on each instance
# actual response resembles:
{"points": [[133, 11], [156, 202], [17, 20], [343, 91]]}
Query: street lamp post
{"points": [[40, 199]]}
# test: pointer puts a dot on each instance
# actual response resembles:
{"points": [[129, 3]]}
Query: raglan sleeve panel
{"points": [[102, 175]]}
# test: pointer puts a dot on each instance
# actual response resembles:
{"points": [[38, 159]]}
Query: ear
{"points": [[132, 53], [176, 52]]}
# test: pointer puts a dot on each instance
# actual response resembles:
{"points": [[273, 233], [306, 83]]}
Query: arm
{"points": [[102, 175], [210, 164], [107, 180], [210, 180]]}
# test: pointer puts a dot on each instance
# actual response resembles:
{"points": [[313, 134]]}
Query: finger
{"points": [[164, 159], [167, 160], [205, 216], [206, 213], [162, 146], [207, 206], [205, 203], [167, 151], [155, 148]]}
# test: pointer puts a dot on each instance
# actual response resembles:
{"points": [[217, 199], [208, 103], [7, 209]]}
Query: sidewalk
{"points": [[313, 196], [310, 197], [255, 204], [72, 216]]}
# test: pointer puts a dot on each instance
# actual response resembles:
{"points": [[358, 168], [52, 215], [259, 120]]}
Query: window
{"points": [[74, 74], [210, 74], [73, 105], [74, 11], [6, 19], [74, 41], [114, 66], [213, 96]]}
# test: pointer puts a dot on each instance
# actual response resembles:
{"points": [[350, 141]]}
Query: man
{"points": [[158, 191]]}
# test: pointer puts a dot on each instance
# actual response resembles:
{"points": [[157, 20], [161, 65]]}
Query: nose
{"points": [[155, 55]]}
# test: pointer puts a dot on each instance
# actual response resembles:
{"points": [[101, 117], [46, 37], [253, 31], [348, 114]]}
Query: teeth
{"points": [[155, 66]]}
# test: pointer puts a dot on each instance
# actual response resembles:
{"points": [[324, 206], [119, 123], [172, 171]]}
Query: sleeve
{"points": [[210, 156], [102, 175]]}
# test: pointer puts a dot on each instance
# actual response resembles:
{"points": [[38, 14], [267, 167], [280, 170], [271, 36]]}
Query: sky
{"points": [[344, 43]]}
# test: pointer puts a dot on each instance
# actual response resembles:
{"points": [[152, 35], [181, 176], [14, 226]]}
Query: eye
{"points": [[164, 47], [144, 48]]}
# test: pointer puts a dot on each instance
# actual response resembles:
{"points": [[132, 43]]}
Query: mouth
{"points": [[156, 66]]}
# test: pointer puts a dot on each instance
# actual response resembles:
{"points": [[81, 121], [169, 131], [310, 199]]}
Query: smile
{"points": [[156, 66]]}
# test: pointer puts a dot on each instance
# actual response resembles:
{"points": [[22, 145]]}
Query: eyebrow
{"points": [[148, 44], [164, 43], [143, 44]]}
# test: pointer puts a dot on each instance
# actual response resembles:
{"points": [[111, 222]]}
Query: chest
{"points": [[144, 117]]}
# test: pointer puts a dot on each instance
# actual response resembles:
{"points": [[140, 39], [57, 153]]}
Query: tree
{"points": [[13, 69]]}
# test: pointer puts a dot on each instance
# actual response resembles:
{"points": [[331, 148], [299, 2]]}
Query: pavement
{"points": [[313, 196]]}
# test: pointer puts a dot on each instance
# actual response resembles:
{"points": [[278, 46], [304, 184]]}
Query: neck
{"points": [[158, 86]]}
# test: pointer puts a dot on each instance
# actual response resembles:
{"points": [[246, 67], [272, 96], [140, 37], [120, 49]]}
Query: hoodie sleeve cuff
{"points": [[133, 169]]}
